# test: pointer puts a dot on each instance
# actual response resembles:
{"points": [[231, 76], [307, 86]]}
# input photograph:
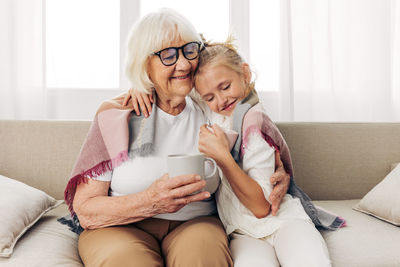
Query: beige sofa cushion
{"points": [[366, 241], [383, 201], [48, 243], [394, 165], [41, 153], [21, 206]]}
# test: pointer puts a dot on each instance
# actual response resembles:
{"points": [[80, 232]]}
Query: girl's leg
{"points": [[298, 243], [251, 252]]}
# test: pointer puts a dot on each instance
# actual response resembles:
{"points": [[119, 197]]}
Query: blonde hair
{"points": [[150, 34], [222, 54]]}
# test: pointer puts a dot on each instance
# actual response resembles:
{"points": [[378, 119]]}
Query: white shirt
{"points": [[258, 163], [173, 135]]}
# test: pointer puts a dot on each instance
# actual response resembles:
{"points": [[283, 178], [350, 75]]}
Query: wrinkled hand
{"points": [[171, 194], [140, 101], [213, 142], [281, 181]]}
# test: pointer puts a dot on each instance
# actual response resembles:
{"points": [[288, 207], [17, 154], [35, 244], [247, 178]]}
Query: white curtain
{"points": [[340, 60], [22, 94]]}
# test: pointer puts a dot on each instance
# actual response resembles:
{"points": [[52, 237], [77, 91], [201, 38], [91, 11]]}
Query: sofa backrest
{"points": [[331, 160], [41, 153], [341, 160]]}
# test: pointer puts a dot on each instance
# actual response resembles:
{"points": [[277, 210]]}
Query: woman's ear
{"points": [[246, 73], [147, 67]]}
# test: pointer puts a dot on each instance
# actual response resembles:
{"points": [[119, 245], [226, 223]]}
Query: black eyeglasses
{"points": [[169, 56]]}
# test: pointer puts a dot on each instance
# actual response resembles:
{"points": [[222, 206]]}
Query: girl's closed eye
{"points": [[209, 99], [226, 87]]}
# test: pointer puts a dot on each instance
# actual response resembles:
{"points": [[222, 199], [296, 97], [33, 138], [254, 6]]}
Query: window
{"points": [[82, 43], [83, 37], [85, 45], [264, 43]]}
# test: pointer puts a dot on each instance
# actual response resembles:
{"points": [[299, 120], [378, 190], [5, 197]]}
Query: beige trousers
{"points": [[154, 242]]}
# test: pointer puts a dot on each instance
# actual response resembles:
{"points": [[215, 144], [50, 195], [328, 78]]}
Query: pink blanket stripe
{"points": [[97, 170], [255, 129], [105, 146], [257, 121]]}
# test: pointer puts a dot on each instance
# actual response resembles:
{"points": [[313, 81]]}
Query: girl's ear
{"points": [[246, 72]]}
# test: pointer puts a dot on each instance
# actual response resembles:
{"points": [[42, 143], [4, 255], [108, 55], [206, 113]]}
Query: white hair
{"points": [[153, 32]]}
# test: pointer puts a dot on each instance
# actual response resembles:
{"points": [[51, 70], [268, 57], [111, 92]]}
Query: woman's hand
{"points": [[213, 142], [281, 181], [140, 102], [95, 209], [169, 195]]}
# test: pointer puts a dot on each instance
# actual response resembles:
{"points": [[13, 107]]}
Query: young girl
{"points": [[290, 238], [223, 82]]}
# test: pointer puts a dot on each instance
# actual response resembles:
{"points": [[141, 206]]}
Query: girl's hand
{"points": [[213, 142], [281, 181], [140, 102]]}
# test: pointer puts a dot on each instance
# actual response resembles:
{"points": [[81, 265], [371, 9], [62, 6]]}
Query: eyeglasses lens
{"points": [[191, 50], [168, 56]]}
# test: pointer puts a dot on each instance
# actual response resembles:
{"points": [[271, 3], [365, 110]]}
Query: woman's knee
{"points": [[119, 246], [199, 242], [132, 255]]}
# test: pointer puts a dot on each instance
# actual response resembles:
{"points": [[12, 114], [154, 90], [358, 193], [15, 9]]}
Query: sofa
{"points": [[336, 164]]}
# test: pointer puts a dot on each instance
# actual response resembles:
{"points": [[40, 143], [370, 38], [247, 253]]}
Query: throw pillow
{"points": [[383, 201], [21, 206]]}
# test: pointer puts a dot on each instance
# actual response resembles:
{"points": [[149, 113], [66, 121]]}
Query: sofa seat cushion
{"points": [[365, 241], [47, 243]]}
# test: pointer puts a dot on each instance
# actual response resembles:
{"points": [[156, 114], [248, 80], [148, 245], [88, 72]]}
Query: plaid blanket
{"points": [[248, 118], [105, 146]]}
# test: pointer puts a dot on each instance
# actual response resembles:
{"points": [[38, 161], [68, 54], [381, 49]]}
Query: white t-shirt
{"points": [[258, 163], [173, 135]]}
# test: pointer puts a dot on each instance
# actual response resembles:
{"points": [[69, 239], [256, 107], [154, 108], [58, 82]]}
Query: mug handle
{"points": [[215, 166]]}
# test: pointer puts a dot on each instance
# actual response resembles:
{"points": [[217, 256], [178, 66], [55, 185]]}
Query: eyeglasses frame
{"points": [[201, 47]]}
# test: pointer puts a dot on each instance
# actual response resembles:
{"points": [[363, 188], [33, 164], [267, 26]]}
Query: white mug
{"points": [[181, 164]]}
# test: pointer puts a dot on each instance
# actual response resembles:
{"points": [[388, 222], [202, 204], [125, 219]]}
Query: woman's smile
{"points": [[184, 77]]}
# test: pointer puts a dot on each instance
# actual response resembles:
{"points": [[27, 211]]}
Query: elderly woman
{"points": [[132, 213]]}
